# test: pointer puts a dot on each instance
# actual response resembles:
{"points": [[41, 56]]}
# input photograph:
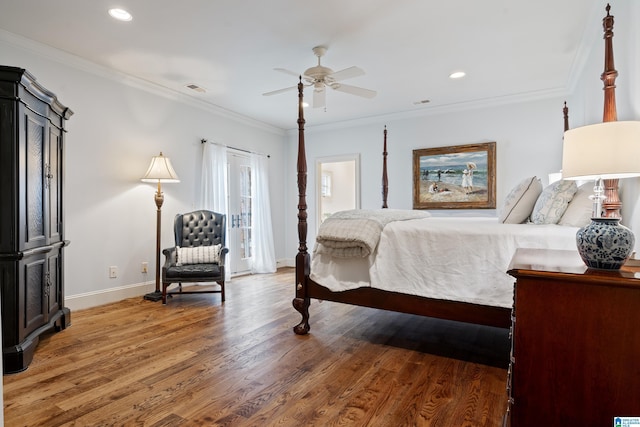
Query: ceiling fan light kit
{"points": [[320, 77]]}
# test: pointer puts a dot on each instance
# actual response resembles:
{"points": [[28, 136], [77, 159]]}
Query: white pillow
{"points": [[520, 201], [198, 255], [553, 202], [579, 211]]}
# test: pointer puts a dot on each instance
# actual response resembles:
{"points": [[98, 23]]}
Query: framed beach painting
{"points": [[455, 177]]}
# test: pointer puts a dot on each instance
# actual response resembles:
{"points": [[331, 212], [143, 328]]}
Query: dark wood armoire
{"points": [[31, 215]]}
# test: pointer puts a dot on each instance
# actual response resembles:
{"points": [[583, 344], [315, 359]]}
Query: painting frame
{"points": [[455, 177]]}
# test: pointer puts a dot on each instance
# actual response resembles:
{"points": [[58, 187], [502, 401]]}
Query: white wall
{"points": [[118, 125]]}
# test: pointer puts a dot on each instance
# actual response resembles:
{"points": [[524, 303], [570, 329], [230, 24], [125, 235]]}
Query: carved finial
{"points": [[385, 179], [607, 23], [565, 111]]}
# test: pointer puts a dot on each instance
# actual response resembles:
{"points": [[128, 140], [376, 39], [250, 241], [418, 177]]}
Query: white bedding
{"points": [[459, 259], [356, 232]]}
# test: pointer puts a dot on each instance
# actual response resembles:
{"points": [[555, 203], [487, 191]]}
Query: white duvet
{"points": [[458, 259]]}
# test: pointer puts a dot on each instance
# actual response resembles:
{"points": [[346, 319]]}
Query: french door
{"points": [[240, 211]]}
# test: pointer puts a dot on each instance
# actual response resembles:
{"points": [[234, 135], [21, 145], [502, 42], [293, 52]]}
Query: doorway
{"points": [[337, 184]]}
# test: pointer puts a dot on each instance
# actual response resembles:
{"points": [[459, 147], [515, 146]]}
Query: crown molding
{"points": [[78, 63], [439, 109]]}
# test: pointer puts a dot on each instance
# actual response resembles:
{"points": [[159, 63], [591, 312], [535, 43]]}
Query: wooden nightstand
{"points": [[575, 357]]}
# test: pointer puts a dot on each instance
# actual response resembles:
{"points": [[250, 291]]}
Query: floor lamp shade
{"points": [[609, 150], [160, 170]]}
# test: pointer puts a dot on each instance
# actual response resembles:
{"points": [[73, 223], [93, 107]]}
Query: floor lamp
{"points": [[159, 171]]}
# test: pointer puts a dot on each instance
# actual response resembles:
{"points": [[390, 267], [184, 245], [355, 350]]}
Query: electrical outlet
{"points": [[144, 268], [113, 272]]}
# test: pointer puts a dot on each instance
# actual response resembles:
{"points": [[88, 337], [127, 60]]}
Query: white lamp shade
{"points": [[160, 170], [609, 150]]}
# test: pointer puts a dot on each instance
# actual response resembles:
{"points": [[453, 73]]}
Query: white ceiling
{"points": [[510, 49]]}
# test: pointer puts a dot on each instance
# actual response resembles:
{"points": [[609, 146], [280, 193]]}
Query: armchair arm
{"points": [[170, 256], [223, 255]]}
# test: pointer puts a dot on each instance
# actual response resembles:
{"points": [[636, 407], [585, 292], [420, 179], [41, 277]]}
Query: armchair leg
{"points": [[164, 292], [221, 283]]}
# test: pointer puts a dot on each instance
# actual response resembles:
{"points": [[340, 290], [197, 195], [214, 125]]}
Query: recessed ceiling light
{"points": [[457, 75], [120, 14]]}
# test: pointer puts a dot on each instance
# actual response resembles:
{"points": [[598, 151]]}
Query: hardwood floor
{"points": [[195, 362]]}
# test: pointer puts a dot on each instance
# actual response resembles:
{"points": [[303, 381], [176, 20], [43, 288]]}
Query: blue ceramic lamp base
{"points": [[605, 244]]}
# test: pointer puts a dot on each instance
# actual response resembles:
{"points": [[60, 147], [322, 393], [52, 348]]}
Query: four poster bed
{"points": [[462, 261]]}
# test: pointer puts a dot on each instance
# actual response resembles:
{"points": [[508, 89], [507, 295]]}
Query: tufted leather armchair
{"points": [[193, 229]]}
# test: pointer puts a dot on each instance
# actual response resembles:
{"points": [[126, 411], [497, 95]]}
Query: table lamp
{"points": [[609, 150]]}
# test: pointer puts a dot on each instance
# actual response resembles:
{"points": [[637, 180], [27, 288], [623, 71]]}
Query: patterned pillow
{"points": [[520, 201], [553, 202], [578, 213], [198, 255]]}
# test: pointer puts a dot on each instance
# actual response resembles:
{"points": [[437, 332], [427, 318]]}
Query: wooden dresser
{"points": [[575, 358]]}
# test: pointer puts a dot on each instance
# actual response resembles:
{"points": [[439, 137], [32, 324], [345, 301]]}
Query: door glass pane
{"points": [[245, 211], [240, 206]]}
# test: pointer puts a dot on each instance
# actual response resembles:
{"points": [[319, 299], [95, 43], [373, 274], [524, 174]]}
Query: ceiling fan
{"points": [[321, 77]]}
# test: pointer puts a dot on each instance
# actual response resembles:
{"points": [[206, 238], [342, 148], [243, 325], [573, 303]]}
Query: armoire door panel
{"points": [[32, 284], [53, 183], [52, 289], [34, 187]]}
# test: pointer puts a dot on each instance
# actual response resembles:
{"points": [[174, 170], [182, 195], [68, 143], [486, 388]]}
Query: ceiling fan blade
{"points": [[319, 98], [284, 70], [275, 92], [354, 90], [347, 73]]}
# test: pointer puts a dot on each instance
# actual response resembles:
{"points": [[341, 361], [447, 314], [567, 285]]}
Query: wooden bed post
{"points": [[301, 301], [385, 180], [565, 112], [612, 204]]}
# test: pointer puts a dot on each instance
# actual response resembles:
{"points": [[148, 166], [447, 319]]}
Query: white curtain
{"points": [[264, 258], [213, 195]]}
